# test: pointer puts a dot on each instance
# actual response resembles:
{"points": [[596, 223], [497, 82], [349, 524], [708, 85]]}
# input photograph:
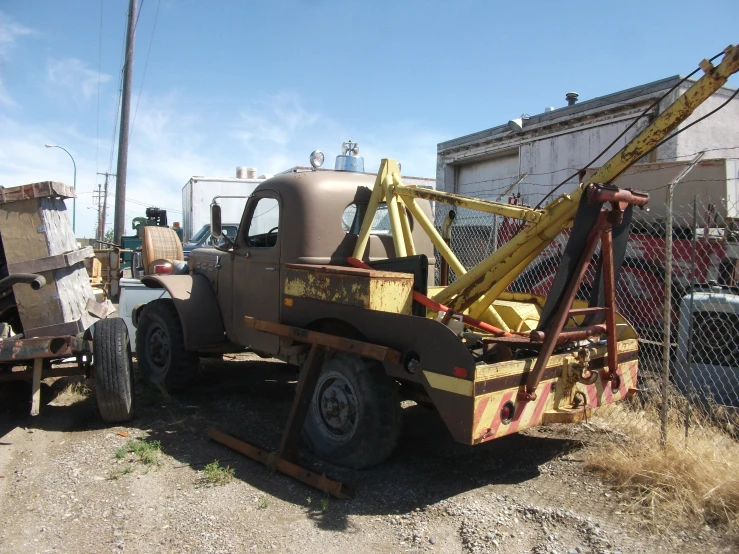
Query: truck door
{"points": [[256, 270]]}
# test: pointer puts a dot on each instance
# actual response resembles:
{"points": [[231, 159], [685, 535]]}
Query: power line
{"points": [[118, 105], [100, 63], [644, 113], [150, 205], [146, 65], [662, 160], [673, 135], [138, 15]]}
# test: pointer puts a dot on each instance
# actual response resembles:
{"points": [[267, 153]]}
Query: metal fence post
{"points": [[690, 327], [667, 330]]}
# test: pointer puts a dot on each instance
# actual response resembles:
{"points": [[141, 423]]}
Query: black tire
{"points": [[111, 351], [366, 433], [160, 346]]}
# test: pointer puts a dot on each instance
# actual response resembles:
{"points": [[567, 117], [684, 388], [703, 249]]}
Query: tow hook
{"points": [[579, 399], [582, 362]]}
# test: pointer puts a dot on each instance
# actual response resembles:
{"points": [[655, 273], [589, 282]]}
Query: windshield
{"points": [[197, 237]]}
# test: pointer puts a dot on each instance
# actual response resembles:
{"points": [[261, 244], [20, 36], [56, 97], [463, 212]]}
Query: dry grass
{"points": [[683, 482], [74, 392]]}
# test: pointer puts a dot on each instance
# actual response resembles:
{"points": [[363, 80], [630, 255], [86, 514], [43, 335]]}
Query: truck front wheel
{"points": [[355, 418], [160, 346]]}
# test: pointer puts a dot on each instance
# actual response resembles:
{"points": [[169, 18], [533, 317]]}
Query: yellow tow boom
{"points": [[476, 290]]}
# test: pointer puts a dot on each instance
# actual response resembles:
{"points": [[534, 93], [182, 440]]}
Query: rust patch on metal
{"points": [[518, 380], [56, 347]]}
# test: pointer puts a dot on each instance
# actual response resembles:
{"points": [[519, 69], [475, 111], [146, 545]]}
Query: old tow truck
{"points": [[309, 278]]}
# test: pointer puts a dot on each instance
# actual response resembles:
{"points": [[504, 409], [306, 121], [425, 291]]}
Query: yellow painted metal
{"points": [[377, 196], [554, 393], [382, 291], [448, 383], [463, 292], [492, 316], [497, 208], [671, 118], [405, 225], [479, 308], [466, 290], [477, 289], [521, 316], [394, 216]]}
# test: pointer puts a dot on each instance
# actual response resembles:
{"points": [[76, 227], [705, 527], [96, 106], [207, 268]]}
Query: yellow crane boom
{"points": [[476, 290]]}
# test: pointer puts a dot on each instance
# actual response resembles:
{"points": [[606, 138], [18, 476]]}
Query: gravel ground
{"points": [[68, 484]]}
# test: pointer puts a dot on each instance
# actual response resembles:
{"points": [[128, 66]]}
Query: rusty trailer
{"points": [[48, 309]]}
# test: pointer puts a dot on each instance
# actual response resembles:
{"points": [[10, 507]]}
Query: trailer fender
{"points": [[197, 306]]}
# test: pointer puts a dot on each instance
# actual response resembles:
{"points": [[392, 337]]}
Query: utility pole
{"points": [[119, 223], [105, 203], [99, 197]]}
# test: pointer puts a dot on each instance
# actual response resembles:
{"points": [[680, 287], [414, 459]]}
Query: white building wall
{"points": [[487, 178], [485, 168], [718, 134], [550, 161]]}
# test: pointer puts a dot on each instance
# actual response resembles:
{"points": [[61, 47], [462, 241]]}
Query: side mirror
{"points": [[216, 226]]}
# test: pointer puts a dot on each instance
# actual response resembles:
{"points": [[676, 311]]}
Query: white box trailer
{"points": [[198, 193]]}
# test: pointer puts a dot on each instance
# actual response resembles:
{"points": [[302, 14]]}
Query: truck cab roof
{"points": [[320, 217]]}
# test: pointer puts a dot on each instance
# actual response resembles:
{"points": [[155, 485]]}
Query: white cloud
{"points": [[9, 33], [175, 137], [276, 120], [5, 98], [72, 74], [280, 131]]}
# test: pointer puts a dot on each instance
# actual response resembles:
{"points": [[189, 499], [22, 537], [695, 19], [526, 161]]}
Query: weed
{"points": [[147, 451], [118, 473], [324, 504], [674, 483], [75, 391], [215, 474], [272, 462], [263, 502], [309, 500], [120, 453]]}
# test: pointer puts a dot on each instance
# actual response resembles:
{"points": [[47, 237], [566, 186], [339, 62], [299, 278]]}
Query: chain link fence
{"points": [[689, 360]]}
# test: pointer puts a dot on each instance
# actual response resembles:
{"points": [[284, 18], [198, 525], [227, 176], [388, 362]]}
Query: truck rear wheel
{"points": [[160, 346], [355, 418], [111, 351]]}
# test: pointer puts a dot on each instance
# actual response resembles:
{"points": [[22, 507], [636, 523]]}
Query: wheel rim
{"points": [[335, 407], [158, 348]]}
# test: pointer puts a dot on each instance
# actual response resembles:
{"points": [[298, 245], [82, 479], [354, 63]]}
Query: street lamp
{"points": [[74, 186]]}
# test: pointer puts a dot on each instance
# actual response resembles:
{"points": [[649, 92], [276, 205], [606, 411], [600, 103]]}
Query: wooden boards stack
{"points": [[36, 237]]}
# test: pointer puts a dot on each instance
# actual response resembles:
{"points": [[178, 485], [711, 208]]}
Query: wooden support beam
{"points": [[358, 347], [335, 488], [36, 387], [307, 381]]}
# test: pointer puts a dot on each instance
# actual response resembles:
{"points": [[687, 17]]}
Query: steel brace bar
{"points": [[284, 459]]}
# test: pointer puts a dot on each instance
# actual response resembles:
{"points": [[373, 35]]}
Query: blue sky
{"points": [[264, 83]]}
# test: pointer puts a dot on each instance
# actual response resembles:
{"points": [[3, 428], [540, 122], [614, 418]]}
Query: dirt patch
{"points": [[71, 484]]}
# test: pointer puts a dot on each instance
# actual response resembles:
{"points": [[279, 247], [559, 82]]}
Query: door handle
{"points": [[270, 269]]}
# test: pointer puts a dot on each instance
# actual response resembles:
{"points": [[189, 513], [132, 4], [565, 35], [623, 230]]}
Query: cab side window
{"points": [[264, 224]]}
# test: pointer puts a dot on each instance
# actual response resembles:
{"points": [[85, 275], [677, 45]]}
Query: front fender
{"points": [[202, 323]]}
